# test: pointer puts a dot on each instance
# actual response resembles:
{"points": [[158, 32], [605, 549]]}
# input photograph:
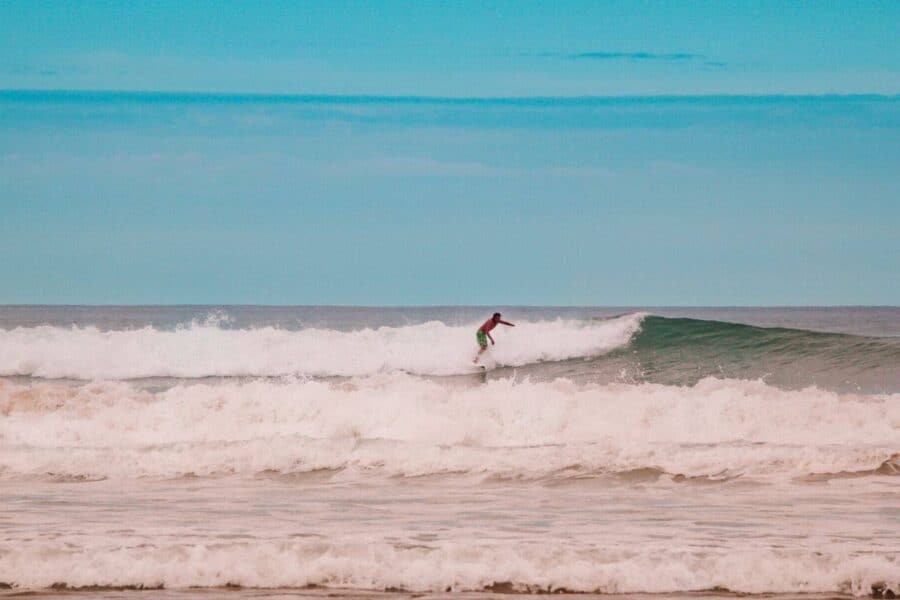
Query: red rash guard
{"points": [[487, 326]]}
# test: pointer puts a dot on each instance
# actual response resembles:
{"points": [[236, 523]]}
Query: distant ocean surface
{"points": [[605, 450]]}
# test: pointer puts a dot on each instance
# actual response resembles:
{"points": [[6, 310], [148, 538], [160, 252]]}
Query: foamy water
{"points": [[402, 425], [366, 458], [203, 349]]}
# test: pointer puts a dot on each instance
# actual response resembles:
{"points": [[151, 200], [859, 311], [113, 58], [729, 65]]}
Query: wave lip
{"points": [[208, 350]]}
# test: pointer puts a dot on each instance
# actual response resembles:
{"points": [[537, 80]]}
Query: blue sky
{"points": [[530, 194], [453, 48]]}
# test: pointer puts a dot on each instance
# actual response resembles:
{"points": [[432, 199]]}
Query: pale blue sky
{"points": [[519, 197]]}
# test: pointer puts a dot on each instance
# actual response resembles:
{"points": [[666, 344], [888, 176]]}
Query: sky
{"points": [[639, 153], [483, 48]]}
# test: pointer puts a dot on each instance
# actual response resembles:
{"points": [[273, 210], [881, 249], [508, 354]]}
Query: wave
{"points": [[207, 350], [400, 425], [440, 567], [634, 348], [722, 343], [682, 351]]}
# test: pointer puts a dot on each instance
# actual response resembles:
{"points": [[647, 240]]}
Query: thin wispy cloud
{"points": [[673, 57], [29, 70]]}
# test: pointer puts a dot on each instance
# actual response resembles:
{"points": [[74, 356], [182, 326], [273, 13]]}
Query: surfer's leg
{"points": [[482, 344], [480, 352]]}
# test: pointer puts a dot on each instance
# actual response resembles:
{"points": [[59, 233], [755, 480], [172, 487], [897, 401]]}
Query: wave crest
{"points": [[205, 349]]}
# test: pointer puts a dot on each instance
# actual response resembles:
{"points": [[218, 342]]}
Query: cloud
{"points": [[428, 167], [421, 166], [675, 56], [603, 55], [28, 70], [679, 169]]}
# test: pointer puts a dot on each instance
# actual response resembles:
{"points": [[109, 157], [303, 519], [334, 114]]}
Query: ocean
{"points": [[250, 451]]}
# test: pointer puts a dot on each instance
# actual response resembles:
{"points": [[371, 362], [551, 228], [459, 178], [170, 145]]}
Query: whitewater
{"points": [[603, 451], [405, 426], [205, 349]]}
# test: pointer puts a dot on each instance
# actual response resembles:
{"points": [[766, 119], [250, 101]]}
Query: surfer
{"points": [[484, 333]]}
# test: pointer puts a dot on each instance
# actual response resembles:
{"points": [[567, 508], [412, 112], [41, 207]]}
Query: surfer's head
{"points": [[496, 316]]}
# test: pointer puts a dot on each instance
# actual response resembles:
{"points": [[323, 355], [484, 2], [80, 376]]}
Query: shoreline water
{"points": [[317, 593], [238, 593]]}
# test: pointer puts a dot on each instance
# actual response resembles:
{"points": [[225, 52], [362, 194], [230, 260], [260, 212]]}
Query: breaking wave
{"points": [[408, 426], [206, 349]]}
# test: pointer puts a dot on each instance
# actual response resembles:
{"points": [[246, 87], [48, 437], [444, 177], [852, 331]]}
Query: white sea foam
{"points": [[206, 349], [438, 567], [403, 425]]}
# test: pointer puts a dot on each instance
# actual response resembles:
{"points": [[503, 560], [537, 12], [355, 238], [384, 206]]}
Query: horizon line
{"points": [[486, 306], [312, 98]]}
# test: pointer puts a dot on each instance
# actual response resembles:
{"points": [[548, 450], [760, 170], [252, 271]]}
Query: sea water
{"points": [[605, 450]]}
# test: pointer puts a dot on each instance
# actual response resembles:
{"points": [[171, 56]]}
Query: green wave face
{"points": [[682, 351]]}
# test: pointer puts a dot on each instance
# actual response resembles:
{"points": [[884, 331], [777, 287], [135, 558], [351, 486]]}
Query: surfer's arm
{"points": [[506, 323], [489, 337]]}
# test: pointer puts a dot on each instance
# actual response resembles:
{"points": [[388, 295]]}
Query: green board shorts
{"points": [[482, 338]]}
